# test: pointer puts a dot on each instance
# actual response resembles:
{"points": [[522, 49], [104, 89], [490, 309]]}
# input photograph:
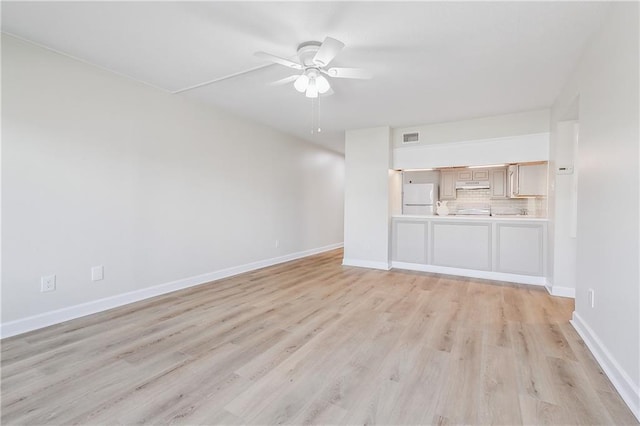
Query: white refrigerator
{"points": [[419, 198]]}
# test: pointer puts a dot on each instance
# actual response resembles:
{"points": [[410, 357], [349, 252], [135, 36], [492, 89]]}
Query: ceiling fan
{"points": [[313, 59]]}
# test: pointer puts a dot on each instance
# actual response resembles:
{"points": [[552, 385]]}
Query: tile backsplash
{"points": [[467, 198]]}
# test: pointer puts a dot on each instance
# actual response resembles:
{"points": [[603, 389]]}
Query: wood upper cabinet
{"points": [[481, 174], [466, 174], [498, 182], [470, 174], [448, 184], [532, 180]]}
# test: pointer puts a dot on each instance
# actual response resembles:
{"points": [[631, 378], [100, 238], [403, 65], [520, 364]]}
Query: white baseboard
{"points": [[46, 319], [366, 264], [629, 391], [555, 290], [472, 273]]}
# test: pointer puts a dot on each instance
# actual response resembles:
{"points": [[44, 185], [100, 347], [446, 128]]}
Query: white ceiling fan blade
{"points": [[348, 73], [285, 80], [328, 50], [279, 60]]}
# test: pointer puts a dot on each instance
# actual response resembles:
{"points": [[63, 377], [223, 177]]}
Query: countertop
{"points": [[505, 218]]}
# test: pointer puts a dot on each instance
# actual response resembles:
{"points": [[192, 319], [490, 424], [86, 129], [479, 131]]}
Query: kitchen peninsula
{"points": [[501, 248], [494, 232]]}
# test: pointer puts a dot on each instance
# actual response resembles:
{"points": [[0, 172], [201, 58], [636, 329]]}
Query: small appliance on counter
{"points": [[419, 198]]}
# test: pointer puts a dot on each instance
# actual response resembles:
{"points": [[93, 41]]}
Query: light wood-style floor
{"points": [[313, 342]]}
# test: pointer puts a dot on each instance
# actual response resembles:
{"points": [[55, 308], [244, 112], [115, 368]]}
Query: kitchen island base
{"points": [[495, 248]]}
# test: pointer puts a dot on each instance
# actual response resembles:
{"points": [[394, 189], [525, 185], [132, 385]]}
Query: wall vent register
{"points": [[411, 137]]}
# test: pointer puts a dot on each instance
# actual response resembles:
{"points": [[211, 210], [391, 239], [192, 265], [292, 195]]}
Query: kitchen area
{"points": [[468, 198], [483, 221], [493, 190]]}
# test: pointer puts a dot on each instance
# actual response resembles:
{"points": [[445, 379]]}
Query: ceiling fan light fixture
{"points": [[312, 90], [322, 84], [301, 83], [313, 62]]}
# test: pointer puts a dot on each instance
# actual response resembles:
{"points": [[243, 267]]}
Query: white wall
{"points": [[479, 152], [368, 199], [101, 170], [562, 215], [421, 176], [608, 253], [499, 126]]}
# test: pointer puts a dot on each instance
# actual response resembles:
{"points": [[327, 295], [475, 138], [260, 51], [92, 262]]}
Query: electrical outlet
{"points": [[592, 298], [277, 244], [47, 283], [97, 273]]}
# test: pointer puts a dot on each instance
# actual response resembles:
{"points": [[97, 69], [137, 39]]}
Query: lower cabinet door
{"points": [[520, 248], [410, 244], [462, 245]]}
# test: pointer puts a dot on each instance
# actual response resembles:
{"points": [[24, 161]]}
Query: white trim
{"points": [[629, 391], [555, 290], [366, 264], [46, 319], [85, 62], [473, 273]]}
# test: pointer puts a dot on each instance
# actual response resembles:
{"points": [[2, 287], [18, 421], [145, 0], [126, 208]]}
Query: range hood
{"points": [[472, 184]]}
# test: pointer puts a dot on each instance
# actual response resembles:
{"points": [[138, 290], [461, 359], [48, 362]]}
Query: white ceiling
{"points": [[432, 61]]}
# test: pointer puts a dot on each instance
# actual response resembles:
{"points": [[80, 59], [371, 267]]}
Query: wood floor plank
{"points": [[498, 403], [532, 370], [575, 393], [536, 412], [459, 401], [589, 365], [314, 342]]}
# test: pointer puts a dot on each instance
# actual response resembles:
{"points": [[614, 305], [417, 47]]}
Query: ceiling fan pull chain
{"points": [[313, 115], [318, 129]]}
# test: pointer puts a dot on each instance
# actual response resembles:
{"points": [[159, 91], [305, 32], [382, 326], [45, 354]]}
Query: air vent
{"points": [[411, 137]]}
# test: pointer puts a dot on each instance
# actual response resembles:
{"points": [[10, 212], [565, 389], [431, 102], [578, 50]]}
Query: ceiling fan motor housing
{"points": [[307, 51]]}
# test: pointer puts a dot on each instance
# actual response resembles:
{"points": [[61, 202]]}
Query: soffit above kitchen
{"points": [[432, 62]]}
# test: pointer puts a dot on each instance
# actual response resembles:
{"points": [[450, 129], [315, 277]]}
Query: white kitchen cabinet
{"points": [[498, 183], [410, 242], [481, 174], [465, 174], [470, 174], [448, 185], [520, 248], [528, 180], [462, 245], [504, 249]]}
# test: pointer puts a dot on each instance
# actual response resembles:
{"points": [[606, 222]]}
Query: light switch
{"points": [[97, 273]]}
